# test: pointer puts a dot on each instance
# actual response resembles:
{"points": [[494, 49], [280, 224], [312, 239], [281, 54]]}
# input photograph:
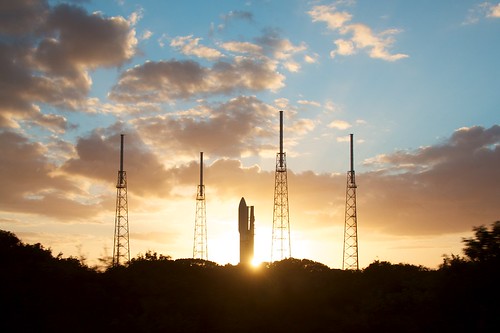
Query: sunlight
{"points": [[256, 262]]}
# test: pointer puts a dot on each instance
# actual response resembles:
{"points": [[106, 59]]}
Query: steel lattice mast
{"points": [[350, 254], [281, 246], [121, 246], [200, 225]]}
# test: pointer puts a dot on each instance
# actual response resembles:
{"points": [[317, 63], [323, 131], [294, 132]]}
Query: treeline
{"points": [[40, 292]]}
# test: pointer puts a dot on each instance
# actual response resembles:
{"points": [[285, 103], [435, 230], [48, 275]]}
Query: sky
{"points": [[416, 82]]}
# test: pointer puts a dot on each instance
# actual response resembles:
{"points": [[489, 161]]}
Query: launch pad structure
{"points": [[281, 245], [121, 246], [350, 252], [200, 247]]}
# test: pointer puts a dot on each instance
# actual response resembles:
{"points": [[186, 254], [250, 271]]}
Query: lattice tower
{"points": [[121, 246], [200, 248], [350, 253], [281, 245]]}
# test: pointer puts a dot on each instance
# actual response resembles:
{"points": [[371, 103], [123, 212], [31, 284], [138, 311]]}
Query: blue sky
{"points": [[416, 82]]}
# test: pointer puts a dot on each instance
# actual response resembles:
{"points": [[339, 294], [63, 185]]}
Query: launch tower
{"points": [[350, 253], [281, 247], [121, 246], [200, 225]]}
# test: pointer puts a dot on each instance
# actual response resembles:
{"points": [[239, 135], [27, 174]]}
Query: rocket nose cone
{"points": [[242, 202]]}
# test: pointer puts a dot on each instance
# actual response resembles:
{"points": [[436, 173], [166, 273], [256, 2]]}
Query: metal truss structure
{"points": [[200, 248], [281, 244], [121, 246], [350, 253]]}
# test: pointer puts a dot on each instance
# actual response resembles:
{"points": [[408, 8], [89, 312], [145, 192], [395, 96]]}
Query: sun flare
{"points": [[256, 263]]}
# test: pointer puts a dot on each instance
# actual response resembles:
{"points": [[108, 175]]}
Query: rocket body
{"points": [[246, 226]]}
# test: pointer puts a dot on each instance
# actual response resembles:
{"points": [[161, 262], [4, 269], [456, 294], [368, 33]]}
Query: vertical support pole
{"points": [[201, 172], [281, 139], [120, 173], [352, 152], [121, 152], [353, 177]]}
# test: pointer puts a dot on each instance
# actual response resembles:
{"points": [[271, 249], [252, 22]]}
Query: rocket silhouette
{"points": [[246, 222]]}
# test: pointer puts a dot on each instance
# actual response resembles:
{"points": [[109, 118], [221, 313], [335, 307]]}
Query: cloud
{"points": [[136, 16], [19, 17], [97, 158], [240, 126], [281, 49], [242, 47], [339, 124], [234, 15], [164, 81], [312, 103], [32, 185], [85, 40], [444, 188], [272, 47], [48, 61], [147, 34], [457, 189], [188, 45], [494, 11], [361, 36], [329, 14], [238, 14], [344, 47], [480, 11], [311, 59], [52, 122]]}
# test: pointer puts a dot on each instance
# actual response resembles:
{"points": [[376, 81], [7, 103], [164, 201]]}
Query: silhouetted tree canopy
{"points": [[484, 247], [153, 293]]}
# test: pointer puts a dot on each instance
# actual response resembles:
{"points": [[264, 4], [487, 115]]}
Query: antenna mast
{"points": [[350, 253], [200, 225], [281, 246], [121, 246]]}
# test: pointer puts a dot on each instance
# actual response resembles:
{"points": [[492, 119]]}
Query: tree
{"points": [[484, 247]]}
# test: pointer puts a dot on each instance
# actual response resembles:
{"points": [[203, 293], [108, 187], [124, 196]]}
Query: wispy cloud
{"points": [[360, 36], [494, 11], [147, 34], [281, 49], [188, 45], [339, 124], [232, 16], [306, 102], [242, 47], [481, 11]]}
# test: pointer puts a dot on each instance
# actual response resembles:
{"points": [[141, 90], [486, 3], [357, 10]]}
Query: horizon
{"points": [[416, 83]]}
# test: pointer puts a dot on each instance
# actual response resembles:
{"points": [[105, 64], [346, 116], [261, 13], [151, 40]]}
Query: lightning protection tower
{"points": [[121, 247], [350, 253], [281, 246], [200, 224]]}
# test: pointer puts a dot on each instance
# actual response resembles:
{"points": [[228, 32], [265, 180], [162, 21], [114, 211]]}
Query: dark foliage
{"points": [[485, 246], [43, 293]]}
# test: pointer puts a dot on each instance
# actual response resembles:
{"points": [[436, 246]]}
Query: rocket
{"points": [[246, 225]]}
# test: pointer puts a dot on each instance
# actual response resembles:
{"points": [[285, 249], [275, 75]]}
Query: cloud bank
{"points": [[49, 59]]}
